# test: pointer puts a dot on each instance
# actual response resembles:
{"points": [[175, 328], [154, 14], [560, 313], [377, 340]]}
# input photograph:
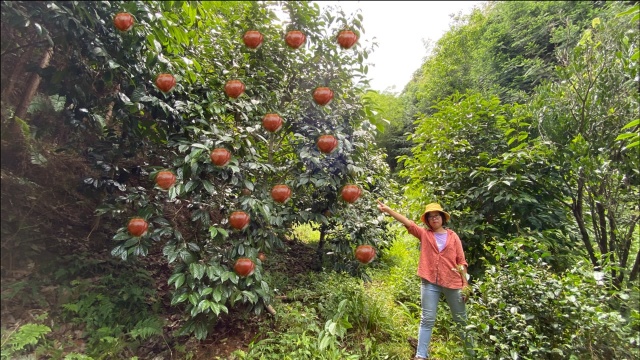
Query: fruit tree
{"points": [[171, 111]]}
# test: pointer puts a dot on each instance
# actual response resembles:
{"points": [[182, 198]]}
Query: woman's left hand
{"points": [[466, 293]]}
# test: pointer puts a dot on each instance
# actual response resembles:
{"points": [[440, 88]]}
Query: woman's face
{"points": [[434, 218]]}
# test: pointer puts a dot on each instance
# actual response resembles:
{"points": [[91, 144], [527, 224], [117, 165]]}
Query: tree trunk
{"points": [[18, 70], [577, 214], [32, 86], [109, 116], [626, 244], [320, 250], [614, 250], [602, 234]]}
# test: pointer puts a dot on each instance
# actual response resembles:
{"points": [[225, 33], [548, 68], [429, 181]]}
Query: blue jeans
{"points": [[430, 296]]}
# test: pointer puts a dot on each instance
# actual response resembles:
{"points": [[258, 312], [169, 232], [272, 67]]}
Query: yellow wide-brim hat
{"points": [[434, 207]]}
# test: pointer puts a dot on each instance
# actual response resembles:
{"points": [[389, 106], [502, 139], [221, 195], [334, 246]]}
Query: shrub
{"points": [[523, 310]]}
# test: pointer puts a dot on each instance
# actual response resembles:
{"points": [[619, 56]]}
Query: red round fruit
{"points": [[137, 226], [252, 39], [165, 179], [280, 193], [295, 38], [365, 253], [346, 38], [262, 257], [322, 95], [272, 122], [246, 192], [351, 193], [234, 88], [220, 156], [239, 220], [165, 82], [244, 267], [123, 21], [327, 143]]}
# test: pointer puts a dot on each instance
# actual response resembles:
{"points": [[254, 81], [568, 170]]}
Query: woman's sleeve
{"points": [[416, 230]]}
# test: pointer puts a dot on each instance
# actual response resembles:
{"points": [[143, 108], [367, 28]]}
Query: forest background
{"points": [[523, 122]]}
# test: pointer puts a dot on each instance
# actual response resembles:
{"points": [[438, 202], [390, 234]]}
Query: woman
{"points": [[442, 268]]}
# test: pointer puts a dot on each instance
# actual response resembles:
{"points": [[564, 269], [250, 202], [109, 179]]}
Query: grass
{"points": [[307, 233]]}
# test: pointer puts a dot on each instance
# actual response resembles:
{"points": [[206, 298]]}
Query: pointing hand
{"points": [[382, 207]]}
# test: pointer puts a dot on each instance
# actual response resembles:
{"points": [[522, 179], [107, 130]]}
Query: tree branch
{"points": [[601, 235], [626, 246], [633, 275]]}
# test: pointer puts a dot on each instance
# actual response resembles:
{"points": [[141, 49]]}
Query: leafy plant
{"points": [[109, 307], [16, 341]]}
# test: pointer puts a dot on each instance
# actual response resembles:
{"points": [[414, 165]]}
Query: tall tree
{"points": [[595, 97]]}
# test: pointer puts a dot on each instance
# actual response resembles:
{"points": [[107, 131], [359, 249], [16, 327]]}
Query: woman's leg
{"points": [[429, 297], [458, 311]]}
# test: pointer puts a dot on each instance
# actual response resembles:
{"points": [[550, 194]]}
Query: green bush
{"points": [[522, 310]]}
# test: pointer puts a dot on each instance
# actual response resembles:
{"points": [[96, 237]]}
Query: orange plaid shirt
{"points": [[436, 266]]}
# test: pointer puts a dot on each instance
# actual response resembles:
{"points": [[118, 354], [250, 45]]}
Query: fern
{"points": [[147, 328], [24, 127], [27, 334]]}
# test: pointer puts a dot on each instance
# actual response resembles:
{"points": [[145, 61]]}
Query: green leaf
{"points": [[190, 186], [193, 299], [206, 291], [224, 232], [122, 236], [178, 279], [181, 298], [199, 146], [197, 270], [631, 124], [217, 294], [208, 186], [132, 241]]}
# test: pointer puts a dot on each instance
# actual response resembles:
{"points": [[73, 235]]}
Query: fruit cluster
{"points": [[271, 122]]}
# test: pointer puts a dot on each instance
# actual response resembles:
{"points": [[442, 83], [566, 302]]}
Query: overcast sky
{"points": [[400, 29]]}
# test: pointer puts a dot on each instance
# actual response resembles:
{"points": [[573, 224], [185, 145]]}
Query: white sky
{"points": [[401, 29]]}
